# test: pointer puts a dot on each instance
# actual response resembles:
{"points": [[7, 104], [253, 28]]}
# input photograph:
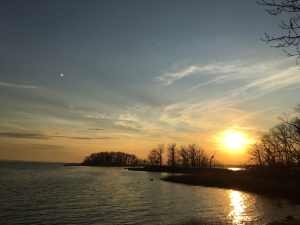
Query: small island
{"points": [[110, 159]]}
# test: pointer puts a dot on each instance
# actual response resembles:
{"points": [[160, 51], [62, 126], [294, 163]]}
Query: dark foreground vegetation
{"points": [[290, 220], [274, 187], [205, 221]]}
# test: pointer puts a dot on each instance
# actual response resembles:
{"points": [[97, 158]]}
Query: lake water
{"points": [[50, 193]]}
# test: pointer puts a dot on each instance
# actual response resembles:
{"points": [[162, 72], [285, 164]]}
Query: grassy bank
{"points": [[242, 181], [203, 221]]}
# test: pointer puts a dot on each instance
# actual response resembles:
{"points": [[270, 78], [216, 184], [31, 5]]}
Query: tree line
{"points": [[112, 158], [190, 156], [278, 150]]}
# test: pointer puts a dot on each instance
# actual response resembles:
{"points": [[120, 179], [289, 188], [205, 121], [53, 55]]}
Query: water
{"points": [[49, 193]]}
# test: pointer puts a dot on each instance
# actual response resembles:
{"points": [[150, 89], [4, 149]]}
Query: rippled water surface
{"points": [[49, 193]]}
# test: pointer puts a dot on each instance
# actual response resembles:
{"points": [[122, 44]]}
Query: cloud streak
{"points": [[169, 78], [18, 85], [98, 129], [256, 80], [42, 136], [226, 71], [24, 135]]}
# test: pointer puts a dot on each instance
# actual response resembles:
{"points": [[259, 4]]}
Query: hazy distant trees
{"points": [[191, 156], [291, 38], [111, 158], [278, 150]]}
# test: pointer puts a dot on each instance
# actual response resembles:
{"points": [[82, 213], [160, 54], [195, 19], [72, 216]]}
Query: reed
{"points": [[205, 221], [270, 187]]}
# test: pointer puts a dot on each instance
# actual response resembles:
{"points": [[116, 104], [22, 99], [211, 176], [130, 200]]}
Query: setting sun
{"points": [[234, 140]]}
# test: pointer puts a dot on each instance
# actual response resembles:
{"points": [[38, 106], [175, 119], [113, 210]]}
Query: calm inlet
{"points": [[50, 193]]}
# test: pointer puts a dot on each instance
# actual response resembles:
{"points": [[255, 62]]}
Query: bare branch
{"points": [[292, 39]]}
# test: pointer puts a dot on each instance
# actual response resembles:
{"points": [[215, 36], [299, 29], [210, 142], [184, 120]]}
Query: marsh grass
{"points": [[270, 187], [205, 221]]}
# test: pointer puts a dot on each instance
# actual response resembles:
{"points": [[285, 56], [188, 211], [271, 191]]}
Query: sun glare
{"points": [[234, 140]]}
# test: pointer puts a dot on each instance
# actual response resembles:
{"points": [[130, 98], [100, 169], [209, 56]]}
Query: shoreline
{"points": [[179, 170], [237, 180], [247, 181], [289, 220], [80, 164]]}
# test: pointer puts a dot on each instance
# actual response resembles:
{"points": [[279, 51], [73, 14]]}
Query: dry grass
{"points": [[203, 221], [275, 188], [290, 220]]}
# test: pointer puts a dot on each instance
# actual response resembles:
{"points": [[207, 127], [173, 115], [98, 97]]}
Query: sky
{"points": [[78, 77]]}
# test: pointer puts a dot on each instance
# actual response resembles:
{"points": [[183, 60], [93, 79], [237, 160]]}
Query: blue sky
{"points": [[137, 73]]}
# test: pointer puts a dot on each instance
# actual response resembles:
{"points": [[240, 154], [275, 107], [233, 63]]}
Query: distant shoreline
{"points": [[104, 165]]}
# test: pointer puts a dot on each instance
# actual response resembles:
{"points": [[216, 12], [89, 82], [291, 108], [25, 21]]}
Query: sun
{"points": [[234, 140]]}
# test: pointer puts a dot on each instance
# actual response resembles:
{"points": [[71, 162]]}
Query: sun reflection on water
{"points": [[238, 213]]}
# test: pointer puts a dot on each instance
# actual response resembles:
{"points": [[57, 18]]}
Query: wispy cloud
{"points": [[168, 78], [18, 85], [92, 138], [24, 135], [210, 112], [266, 84], [265, 77], [38, 135], [225, 72], [47, 146], [139, 123], [97, 129]]}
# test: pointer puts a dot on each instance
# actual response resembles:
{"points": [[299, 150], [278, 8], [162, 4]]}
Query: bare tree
{"points": [[153, 157], [292, 37], [184, 156], [255, 155], [278, 150], [172, 155], [192, 150], [160, 149], [201, 154]]}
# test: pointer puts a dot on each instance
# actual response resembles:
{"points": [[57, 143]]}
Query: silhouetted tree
{"points": [[160, 150], [278, 150], [200, 156], [292, 38], [172, 155], [184, 156], [188, 156], [109, 158], [192, 152], [153, 157]]}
